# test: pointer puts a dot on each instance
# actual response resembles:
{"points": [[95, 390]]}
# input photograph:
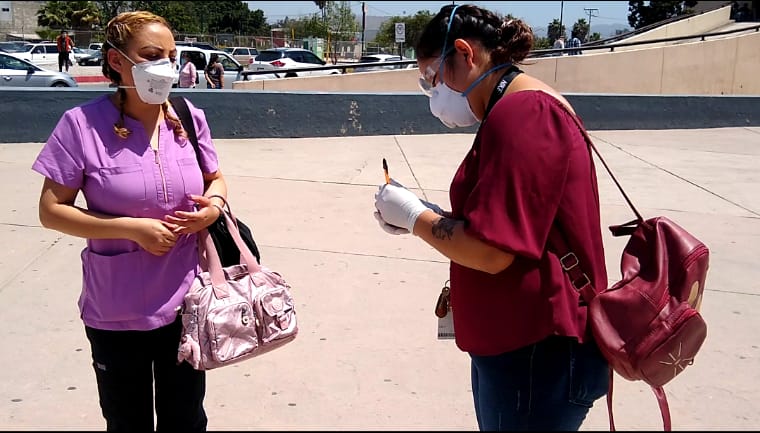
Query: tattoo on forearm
{"points": [[443, 228]]}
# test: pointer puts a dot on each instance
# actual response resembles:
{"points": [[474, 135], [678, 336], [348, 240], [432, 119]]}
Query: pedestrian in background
{"points": [[146, 197], [214, 73], [559, 44], [575, 42], [534, 362], [188, 74], [65, 47]]}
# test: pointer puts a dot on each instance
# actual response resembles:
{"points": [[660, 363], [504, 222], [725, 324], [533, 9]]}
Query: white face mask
{"points": [[153, 79], [451, 107]]}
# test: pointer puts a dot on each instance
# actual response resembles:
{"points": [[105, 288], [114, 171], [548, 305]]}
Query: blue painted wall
{"points": [[29, 115]]}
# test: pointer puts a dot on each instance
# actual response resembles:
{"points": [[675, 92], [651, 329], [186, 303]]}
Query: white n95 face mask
{"points": [[153, 79], [451, 107]]}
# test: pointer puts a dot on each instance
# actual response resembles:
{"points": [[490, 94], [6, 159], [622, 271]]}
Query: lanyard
{"points": [[499, 90]]}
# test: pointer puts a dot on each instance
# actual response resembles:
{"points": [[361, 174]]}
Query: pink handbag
{"points": [[234, 313]]}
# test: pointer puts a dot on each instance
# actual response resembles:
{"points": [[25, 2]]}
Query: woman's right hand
{"points": [[154, 236]]}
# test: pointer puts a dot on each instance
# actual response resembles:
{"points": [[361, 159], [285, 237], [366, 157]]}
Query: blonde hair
{"points": [[119, 31]]}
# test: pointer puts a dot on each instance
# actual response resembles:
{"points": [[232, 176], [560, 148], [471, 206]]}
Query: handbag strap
{"points": [[183, 112], [216, 272]]}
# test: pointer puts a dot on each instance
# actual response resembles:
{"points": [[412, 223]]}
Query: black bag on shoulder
{"points": [[220, 233]]}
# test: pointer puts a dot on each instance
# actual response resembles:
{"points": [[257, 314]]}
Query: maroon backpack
{"points": [[647, 325]]}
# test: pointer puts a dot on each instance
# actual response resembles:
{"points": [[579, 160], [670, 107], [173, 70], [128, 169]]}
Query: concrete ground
{"points": [[366, 357]]}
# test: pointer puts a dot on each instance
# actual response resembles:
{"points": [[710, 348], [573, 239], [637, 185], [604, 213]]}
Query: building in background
{"points": [[18, 20]]}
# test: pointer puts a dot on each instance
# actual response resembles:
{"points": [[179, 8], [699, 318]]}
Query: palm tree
{"points": [[63, 15], [53, 14], [84, 15], [581, 29]]}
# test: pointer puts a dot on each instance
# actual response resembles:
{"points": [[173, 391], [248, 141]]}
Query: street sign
{"points": [[400, 32]]}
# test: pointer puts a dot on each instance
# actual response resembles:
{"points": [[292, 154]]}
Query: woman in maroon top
{"points": [[534, 362]]}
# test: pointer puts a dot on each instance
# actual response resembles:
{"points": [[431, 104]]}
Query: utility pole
{"points": [[561, 11], [364, 23], [590, 12]]}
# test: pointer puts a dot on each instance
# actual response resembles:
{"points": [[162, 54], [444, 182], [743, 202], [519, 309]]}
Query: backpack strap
{"points": [[580, 281], [183, 112], [662, 401]]}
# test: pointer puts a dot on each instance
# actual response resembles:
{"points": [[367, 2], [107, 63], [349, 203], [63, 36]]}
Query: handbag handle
{"points": [[226, 205], [218, 279]]}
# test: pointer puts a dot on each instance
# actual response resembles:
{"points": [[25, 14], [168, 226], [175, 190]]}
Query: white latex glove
{"points": [[398, 206], [432, 206], [389, 228]]}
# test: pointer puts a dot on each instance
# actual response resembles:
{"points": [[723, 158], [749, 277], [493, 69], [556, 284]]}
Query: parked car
{"points": [[280, 60], [97, 46], [94, 59], [17, 72], [12, 46], [382, 58], [201, 45], [41, 53], [244, 55], [78, 53], [200, 57]]}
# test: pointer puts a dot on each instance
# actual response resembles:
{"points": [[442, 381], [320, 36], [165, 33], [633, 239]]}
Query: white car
{"points": [[200, 58], [43, 53], [382, 58], [16, 72], [279, 60]]}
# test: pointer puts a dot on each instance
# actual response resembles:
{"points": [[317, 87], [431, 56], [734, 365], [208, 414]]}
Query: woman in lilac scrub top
{"points": [[147, 196]]}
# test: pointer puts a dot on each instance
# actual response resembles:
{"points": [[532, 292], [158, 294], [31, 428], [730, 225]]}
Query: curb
{"points": [[91, 79]]}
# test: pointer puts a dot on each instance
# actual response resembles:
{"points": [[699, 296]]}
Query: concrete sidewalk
{"points": [[367, 357]]}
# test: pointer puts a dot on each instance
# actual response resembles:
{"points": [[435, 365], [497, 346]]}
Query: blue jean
{"points": [[549, 385]]}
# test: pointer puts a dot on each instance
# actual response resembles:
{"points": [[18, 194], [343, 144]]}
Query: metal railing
{"points": [[611, 47], [533, 54]]}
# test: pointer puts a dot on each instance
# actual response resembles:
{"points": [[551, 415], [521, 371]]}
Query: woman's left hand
{"points": [[193, 222]]}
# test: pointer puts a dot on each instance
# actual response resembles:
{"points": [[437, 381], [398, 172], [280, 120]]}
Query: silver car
{"points": [[16, 72]]}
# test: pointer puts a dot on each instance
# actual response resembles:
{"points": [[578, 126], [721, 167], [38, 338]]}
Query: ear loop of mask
{"points": [[126, 57], [445, 42]]}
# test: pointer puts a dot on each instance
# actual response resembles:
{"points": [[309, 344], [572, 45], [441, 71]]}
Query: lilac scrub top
{"points": [[125, 287]]}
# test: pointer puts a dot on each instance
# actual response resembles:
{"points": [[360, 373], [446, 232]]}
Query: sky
{"points": [[538, 14]]}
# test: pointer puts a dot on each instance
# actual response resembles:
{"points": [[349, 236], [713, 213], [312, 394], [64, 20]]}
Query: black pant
{"points": [[126, 364], [63, 61]]}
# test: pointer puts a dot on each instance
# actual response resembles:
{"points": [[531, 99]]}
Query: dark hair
{"points": [[508, 40]]}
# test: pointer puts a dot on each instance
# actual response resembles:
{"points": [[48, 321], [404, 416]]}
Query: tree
{"points": [[322, 5], [414, 25], [541, 43], [109, 9], [55, 15], [341, 24], [581, 29], [75, 15], [644, 13], [595, 36], [554, 31], [303, 27]]}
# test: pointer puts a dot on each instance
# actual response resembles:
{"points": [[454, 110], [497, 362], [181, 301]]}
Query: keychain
{"points": [[443, 312]]}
